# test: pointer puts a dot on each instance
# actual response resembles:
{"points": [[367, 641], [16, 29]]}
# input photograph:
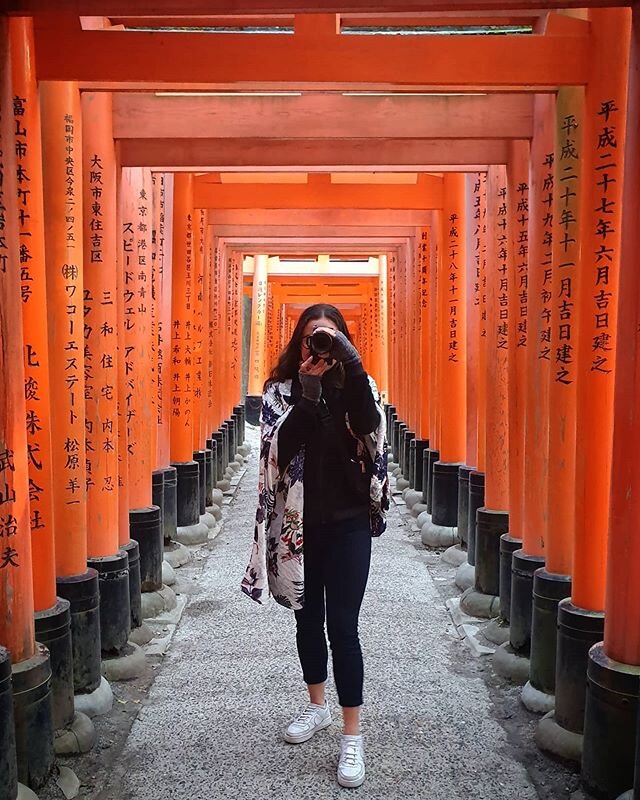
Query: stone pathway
{"points": [[231, 680]]}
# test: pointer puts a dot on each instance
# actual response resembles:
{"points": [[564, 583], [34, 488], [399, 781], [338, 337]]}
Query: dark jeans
{"points": [[336, 568]]}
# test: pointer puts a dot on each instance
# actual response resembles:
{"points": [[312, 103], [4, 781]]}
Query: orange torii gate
{"points": [[568, 384]]}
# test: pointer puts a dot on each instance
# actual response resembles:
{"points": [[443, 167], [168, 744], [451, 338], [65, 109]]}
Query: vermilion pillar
{"points": [[616, 663], [536, 432], [31, 668], [28, 151], [62, 170], [597, 297], [257, 346], [452, 357], [553, 582], [518, 311], [384, 327], [101, 369], [190, 530], [493, 518]]}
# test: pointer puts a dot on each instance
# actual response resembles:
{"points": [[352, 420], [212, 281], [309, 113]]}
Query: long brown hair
{"points": [[289, 361]]}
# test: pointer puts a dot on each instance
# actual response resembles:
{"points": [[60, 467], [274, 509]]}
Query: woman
{"points": [[322, 470]]}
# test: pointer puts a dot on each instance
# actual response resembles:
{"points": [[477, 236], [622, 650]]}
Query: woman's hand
{"points": [[310, 375], [342, 349]]}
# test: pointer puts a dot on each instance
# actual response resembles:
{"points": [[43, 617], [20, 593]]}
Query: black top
{"points": [[336, 484]]}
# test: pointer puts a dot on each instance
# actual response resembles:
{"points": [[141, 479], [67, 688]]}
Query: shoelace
{"points": [[306, 714], [350, 752]]}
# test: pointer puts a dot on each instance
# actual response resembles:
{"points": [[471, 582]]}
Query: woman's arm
{"points": [[360, 403]]}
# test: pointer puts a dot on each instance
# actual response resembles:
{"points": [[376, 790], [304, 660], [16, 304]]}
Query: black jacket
{"points": [[336, 483]]}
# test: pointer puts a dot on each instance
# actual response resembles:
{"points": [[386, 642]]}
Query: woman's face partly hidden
{"points": [[309, 328]]}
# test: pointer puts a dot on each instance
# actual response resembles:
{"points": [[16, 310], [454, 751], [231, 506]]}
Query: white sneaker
{"points": [[311, 719], [351, 763]]}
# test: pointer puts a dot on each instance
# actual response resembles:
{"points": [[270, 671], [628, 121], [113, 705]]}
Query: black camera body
{"points": [[320, 343]]}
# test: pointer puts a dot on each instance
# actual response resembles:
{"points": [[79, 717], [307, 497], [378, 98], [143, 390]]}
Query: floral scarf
{"points": [[276, 565]]}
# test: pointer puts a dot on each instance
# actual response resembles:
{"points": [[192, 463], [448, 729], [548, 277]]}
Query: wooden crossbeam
{"points": [[148, 116], [289, 155], [112, 57], [128, 8], [327, 218], [425, 195]]}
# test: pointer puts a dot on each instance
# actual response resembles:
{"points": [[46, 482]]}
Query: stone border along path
{"points": [[211, 728]]}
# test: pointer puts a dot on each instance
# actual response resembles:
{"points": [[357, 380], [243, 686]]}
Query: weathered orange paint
{"points": [[541, 191], [564, 331], [598, 298], [164, 233], [101, 324], [622, 603], [518, 210], [28, 149], [497, 369], [182, 312], [138, 401], [452, 321], [16, 588], [62, 173]]}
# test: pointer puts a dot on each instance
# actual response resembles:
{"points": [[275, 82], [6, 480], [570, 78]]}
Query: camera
{"points": [[320, 343]]}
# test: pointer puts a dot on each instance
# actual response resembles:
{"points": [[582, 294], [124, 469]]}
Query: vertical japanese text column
{"points": [[31, 707], [62, 171], [190, 530], [101, 369]]}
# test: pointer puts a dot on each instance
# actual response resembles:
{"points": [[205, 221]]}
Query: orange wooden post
{"points": [[190, 530], [424, 269], [257, 346], [200, 347], [553, 582], [101, 369], [432, 452], [31, 668], [539, 281], [597, 297], [236, 336], [62, 172], [383, 341], [28, 150], [618, 661], [452, 359], [138, 403], [405, 268], [518, 210], [492, 519]]}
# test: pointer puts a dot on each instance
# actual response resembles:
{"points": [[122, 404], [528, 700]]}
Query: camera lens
{"points": [[321, 342]]}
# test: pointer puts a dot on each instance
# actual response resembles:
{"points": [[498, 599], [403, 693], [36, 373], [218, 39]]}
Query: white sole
{"points": [[304, 737], [351, 784]]}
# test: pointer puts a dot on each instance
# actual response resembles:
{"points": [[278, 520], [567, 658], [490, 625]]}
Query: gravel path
{"points": [[231, 680]]}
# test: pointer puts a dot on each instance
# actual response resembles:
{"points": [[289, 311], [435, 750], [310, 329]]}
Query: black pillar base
{"points": [[508, 546], [608, 751], [431, 456], [145, 527], [188, 495], [578, 631], [157, 489], [231, 427], [421, 446], [115, 607], [240, 410], [253, 407], [402, 427], [8, 762], [463, 505], [218, 438], [135, 591], [224, 430], [549, 589], [476, 501], [445, 494], [412, 464], [169, 504], [83, 594], [209, 472], [522, 568], [490, 526], [200, 457], [33, 718], [404, 452], [53, 630]]}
